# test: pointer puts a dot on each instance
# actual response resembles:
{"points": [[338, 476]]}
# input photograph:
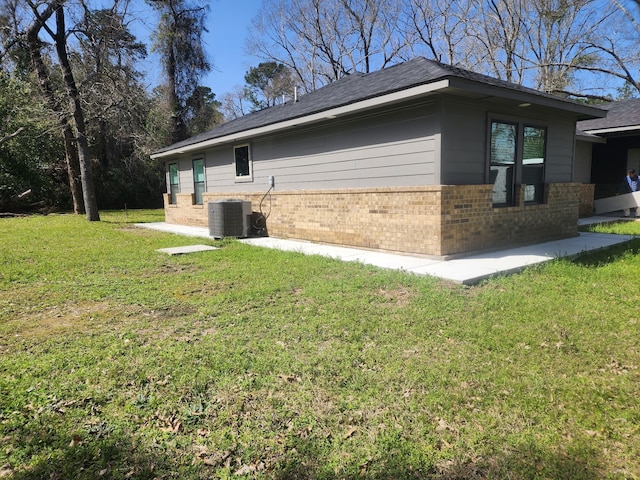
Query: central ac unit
{"points": [[229, 218]]}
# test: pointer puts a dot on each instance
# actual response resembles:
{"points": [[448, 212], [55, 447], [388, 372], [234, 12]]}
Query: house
{"points": [[610, 146], [420, 157]]}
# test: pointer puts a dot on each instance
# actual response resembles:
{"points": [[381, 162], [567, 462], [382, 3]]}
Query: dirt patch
{"points": [[398, 297]]}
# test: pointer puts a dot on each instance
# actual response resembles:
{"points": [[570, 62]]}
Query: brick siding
{"points": [[586, 199], [443, 220]]}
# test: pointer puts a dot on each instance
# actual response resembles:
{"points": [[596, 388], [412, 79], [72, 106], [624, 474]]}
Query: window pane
{"points": [[198, 180], [198, 170], [242, 161], [173, 174], [174, 182], [533, 152], [198, 191], [503, 160]]}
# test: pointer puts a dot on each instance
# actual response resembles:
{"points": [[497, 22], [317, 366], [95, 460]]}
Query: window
{"points": [[503, 158], [242, 163], [533, 154], [174, 182], [198, 180], [517, 156]]}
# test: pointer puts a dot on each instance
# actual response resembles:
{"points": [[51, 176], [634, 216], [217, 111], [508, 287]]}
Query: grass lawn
{"points": [[117, 361]]}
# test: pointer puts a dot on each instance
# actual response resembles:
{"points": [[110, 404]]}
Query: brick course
{"points": [[442, 220]]}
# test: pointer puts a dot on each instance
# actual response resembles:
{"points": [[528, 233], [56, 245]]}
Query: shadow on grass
{"points": [[608, 255], [116, 457], [111, 457], [578, 461]]}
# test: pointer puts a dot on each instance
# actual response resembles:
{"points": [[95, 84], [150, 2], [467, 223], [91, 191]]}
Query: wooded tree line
{"points": [[565, 47], [78, 120]]}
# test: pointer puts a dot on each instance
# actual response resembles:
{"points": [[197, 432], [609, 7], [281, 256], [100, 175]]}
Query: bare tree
{"points": [[498, 27], [558, 40], [234, 104], [322, 41], [438, 30], [614, 46]]}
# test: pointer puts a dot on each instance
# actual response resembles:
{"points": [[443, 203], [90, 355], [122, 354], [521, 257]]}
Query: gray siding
{"points": [[582, 162], [185, 174], [401, 147], [560, 144], [396, 148], [464, 142], [464, 139]]}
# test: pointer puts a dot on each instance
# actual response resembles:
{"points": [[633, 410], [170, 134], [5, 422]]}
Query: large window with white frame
{"points": [[198, 180], [242, 163], [517, 153]]}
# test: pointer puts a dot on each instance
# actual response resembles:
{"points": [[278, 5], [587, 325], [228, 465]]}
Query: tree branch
{"points": [[12, 135]]}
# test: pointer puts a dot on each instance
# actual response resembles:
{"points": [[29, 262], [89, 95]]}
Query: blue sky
{"points": [[229, 23]]}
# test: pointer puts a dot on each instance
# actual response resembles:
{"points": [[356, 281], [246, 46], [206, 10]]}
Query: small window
{"points": [[198, 180], [533, 160], [174, 182], [242, 163], [503, 156]]}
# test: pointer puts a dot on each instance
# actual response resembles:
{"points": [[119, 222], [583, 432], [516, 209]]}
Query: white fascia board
{"points": [[613, 129], [314, 117]]}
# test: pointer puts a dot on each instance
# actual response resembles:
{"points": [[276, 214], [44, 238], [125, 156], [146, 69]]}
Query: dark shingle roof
{"points": [[625, 113], [358, 87]]}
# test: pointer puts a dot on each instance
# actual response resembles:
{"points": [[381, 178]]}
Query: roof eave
{"points": [[583, 112], [626, 128], [329, 114]]}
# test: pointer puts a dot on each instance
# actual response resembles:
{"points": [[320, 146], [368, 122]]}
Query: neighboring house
{"points": [[420, 157], [611, 146]]}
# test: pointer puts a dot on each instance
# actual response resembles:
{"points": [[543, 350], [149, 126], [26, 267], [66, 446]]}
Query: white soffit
{"points": [[311, 118], [628, 128]]}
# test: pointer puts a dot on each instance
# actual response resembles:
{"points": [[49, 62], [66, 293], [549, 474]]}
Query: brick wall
{"points": [[438, 220], [586, 199]]}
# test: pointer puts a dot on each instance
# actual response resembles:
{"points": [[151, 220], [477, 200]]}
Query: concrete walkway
{"points": [[465, 270]]}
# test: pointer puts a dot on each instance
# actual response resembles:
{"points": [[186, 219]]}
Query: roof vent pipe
{"points": [[295, 93]]}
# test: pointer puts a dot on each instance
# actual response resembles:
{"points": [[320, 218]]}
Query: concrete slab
{"points": [[187, 249], [466, 270]]}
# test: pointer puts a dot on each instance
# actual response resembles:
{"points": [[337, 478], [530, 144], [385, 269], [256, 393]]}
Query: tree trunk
{"points": [[178, 130], [71, 157], [86, 172], [73, 167]]}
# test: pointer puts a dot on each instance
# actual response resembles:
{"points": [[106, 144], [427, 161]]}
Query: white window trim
{"points": [[243, 178]]}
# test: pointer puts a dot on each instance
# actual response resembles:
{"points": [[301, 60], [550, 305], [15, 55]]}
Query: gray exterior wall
{"points": [[398, 147], [465, 127], [185, 172], [582, 163], [464, 142]]}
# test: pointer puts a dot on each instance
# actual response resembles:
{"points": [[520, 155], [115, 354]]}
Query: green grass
{"points": [[117, 361]]}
